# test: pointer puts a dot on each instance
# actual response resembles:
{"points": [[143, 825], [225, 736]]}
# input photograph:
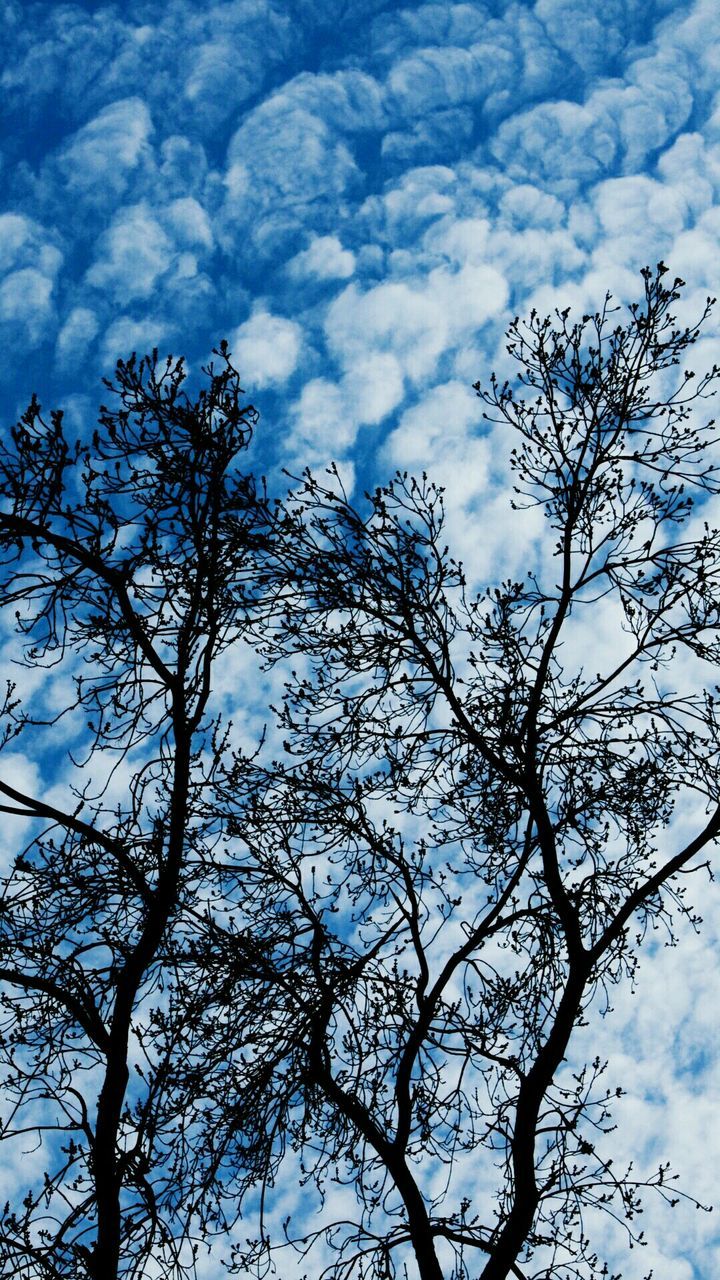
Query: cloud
{"points": [[592, 36], [285, 159], [427, 24], [189, 222], [416, 320], [291, 142], [25, 300], [75, 336], [132, 254], [695, 254], [692, 167], [420, 196], [127, 334], [195, 66], [29, 266], [562, 144], [292, 156], [183, 166], [218, 66], [434, 77], [98, 159], [443, 132], [524, 205], [637, 215], [652, 108], [566, 144], [16, 232], [349, 101], [464, 55], [266, 349], [526, 258], [373, 387], [328, 414], [443, 427], [321, 421], [324, 259], [24, 243], [144, 243], [694, 31]]}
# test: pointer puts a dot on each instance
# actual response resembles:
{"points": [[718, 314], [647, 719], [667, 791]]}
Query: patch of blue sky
{"points": [[359, 196]]}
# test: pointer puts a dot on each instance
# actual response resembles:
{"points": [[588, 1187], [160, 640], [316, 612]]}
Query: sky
{"points": [[360, 196]]}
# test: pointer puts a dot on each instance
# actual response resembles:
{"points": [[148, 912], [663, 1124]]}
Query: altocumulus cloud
{"points": [[359, 197], [29, 264], [267, 347]]}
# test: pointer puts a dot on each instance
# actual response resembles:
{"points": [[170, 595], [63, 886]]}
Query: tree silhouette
{"points": [[125, 561], [473, 828], [363, 960]]}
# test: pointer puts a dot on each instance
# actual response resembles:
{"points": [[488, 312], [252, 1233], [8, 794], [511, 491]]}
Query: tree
{"points": [[368, 955], [126, 561], [472, 829]]}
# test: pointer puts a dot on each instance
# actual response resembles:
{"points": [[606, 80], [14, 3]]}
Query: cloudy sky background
{"points": [[359, 196]]}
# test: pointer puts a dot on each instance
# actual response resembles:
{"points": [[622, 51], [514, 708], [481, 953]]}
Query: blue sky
{"points": [[360, 196], [357, 196]]}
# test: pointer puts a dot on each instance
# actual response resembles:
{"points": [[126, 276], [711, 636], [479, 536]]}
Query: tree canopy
{"points": [[360, 948]]}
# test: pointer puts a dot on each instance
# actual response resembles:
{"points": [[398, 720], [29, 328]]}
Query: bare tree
{"points": [[472, 831], [125, 560], [368, 957]]}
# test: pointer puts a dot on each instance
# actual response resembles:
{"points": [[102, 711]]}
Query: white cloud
{"points": [[24, 243], [26, 301], [16, 233], [443, 132], [325, 259], [221, 62], [126, 335], [77, 332], [695, 254], [287, 157], [29, 266], [292, 158], [266, 349], [526, 205], [17, 770], [183, 165], [132, 254], [638, 216], [466, 56], [695, 31], [351, 101], [439, 432], [322, 424], [527, 256], [372, 387], [649, 110], [188, 222], [444, 434], [692, 166], [289, 150], [415, 320], [460, 240], [327, 415], [434, 77], [590, 36], [566, 144], [101, 154], [421, 194], [561, 143]]}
